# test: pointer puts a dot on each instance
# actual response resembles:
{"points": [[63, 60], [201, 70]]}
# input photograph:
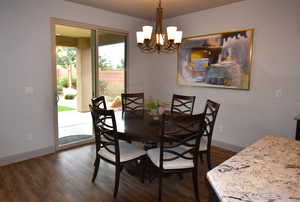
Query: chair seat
{"points": [[127, 152], [179, 163]]}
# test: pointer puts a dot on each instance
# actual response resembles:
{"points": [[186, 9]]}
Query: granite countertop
{"points": [[268, 170], [297, 117]]}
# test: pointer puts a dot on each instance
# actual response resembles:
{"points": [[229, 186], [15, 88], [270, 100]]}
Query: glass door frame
{"points": [[95, 73], [93, 28]]}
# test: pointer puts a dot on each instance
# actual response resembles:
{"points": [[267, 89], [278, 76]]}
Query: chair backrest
{"points": [[210, 111], [99, 102], [182, 104], [183, 131], [132, 102], [105, 127]]}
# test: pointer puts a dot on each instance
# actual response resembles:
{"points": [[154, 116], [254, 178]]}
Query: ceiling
{"points": [[146, 8], [75, 32]]}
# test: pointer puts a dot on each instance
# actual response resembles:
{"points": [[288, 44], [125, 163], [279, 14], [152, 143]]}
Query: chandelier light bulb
{"points": [[171, 30], [140, 37], [147, 31], [178, 37]]}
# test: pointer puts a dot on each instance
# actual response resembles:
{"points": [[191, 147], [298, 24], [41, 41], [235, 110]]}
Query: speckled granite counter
{"points": [[268, 171]]}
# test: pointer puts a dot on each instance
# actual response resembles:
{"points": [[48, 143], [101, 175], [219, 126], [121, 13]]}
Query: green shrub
{"points": [[64, 82], [59, 89], [69, 97]]}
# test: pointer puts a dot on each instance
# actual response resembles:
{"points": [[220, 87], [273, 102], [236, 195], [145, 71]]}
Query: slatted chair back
{"points": [[182, 104], [133, 103], [210, 111], [99, 102], [184, 132], [105, 127]]}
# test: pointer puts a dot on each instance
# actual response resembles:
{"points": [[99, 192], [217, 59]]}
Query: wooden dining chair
{"points": [[182, 104], [133, 103], [99, 102], [182, 156], [108, 146], [210, 111]]}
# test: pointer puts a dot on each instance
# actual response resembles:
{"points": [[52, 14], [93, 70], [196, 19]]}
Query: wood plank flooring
{"points": [[66, 177]]}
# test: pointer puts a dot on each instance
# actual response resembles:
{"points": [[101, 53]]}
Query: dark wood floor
{"points": [[66, 176]]}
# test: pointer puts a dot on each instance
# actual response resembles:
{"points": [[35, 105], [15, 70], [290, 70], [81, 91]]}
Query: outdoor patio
{"points": [[73, 125]]}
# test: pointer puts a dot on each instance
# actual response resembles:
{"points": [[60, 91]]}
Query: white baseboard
{"points": [[27, 155], [41, 152], [227, 146]]}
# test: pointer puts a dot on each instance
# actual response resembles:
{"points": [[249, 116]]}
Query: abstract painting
{"points": [[220, 60]]}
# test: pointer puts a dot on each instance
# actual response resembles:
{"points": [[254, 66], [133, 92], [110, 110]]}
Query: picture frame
{"points": [[219, 60]]}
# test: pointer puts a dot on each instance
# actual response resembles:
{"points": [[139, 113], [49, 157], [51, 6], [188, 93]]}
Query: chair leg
{"points": [[201, 157], [195, 181], [208, 160], [117, 180], [142, 169], [180, 175], [159, 186], [96, 165]]}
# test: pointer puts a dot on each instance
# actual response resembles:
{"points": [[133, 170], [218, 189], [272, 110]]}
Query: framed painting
{"points": [[220, 60]]}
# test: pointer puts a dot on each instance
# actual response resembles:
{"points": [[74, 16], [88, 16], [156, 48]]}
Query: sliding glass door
{"points": [[111, 67], [89, 63], [73, 84]]}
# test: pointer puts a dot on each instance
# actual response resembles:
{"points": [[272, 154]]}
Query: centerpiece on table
{"points": [[155, 108]]}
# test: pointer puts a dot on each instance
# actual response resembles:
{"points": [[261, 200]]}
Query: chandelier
{"points": [[149, 41]]}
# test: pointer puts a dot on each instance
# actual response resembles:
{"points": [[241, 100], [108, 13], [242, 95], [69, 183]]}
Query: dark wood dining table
{"points": [[140, 127]]}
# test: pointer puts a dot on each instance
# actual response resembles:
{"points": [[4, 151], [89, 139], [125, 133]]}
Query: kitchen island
{"points": [[268, 170]]}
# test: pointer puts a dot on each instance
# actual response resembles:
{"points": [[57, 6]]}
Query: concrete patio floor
{"points": [[74, 123]]}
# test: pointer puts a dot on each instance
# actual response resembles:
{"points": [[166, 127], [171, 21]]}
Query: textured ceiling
{"points": [[146, 8]]}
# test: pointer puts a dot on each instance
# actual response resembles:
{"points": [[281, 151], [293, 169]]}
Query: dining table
{"points": [[143, 128], [268, 170], [139, 127]]}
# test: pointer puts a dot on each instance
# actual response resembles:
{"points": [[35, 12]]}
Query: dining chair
{"points": [[210, 111], [99, 102], [182, 104], [108, 146], [133, 103], [183, 155]]}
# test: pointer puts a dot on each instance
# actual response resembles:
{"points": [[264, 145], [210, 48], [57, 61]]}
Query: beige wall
{"points": [[26, 83], [274, 99], [27, 94]]}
